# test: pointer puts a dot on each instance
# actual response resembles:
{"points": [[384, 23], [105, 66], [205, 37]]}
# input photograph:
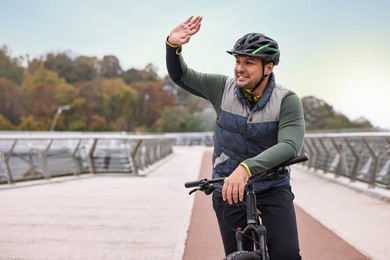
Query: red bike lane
{"points": [[204, 242]]}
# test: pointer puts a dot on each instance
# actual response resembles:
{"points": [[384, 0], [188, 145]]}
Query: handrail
{"points": [[358, 156], [51, 154], [83, 136]]}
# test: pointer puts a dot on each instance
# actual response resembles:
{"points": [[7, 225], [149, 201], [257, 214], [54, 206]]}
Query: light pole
{"points": [[59, 111]]}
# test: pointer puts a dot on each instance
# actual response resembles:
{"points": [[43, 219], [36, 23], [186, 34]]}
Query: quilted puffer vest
{"points": [[242, 133]]}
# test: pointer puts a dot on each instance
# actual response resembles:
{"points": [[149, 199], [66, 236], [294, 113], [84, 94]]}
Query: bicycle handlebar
{"points": [[301, 158]]}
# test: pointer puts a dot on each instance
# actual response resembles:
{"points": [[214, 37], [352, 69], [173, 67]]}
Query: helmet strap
{"points": [[262, 77]]}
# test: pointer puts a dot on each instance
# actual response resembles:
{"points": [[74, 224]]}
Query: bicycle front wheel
{"points": [[243, 255]]}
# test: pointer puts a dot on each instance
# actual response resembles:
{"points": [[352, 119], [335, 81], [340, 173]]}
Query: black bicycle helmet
{"points": [[257, 45]]}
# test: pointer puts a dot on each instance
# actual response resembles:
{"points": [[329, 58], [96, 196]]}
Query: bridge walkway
{"points": [[152, 217]]}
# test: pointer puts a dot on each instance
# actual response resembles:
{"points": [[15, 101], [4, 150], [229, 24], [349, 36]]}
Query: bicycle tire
{"points": [[243, 255]]}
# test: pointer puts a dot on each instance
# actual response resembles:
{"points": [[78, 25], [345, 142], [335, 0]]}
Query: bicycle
{"points": [[254, 229]]}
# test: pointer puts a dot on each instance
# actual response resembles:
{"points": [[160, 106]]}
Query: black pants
{"points": [[278, 216]]}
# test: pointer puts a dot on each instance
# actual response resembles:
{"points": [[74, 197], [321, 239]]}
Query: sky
{"points": [[336, 50]]}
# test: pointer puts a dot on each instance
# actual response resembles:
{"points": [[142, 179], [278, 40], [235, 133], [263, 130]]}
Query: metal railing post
{"points": [[372, 177], [74, 158], [6, 161], [357, 160], [91, 162], [134, 158], [43, 160]]}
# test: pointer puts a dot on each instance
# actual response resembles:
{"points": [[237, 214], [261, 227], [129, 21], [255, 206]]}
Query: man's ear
{"points": [[269, 67]]}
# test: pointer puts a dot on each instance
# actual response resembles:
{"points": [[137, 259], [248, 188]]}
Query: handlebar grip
{"points": [[298, 159], [192, 184], [201, 182]]}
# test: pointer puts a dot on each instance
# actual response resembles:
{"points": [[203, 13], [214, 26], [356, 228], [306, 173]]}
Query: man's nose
{"points": [[240, 68]]}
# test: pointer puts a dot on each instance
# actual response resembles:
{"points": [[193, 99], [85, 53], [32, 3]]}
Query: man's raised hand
{"points": [[182, 33]]}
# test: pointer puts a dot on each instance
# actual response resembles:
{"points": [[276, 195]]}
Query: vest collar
{"points": [[264, 97]]}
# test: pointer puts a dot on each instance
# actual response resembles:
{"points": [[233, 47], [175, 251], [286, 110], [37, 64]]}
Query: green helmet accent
{"points": [[257, 45]]}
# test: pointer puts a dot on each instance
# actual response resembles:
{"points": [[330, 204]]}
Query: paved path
{"points": [[203, 241], [362, 220], [106, 217]]}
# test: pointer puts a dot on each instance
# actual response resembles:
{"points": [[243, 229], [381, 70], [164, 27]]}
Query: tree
{"points": [[85, 68], [44, 92], [5, 124], [173, 119], [77, 125], [183, 98], [362, 123], [149, 73], [179, 119], [119, 104], [91, 96], [11, 101], [82, 68], [35, 65], [10, 68], [319, 115], [110, 67], [131, 75], [29, 123], [151, 102], [62, 64], [99, 123], [202, 121], [107, 100]]}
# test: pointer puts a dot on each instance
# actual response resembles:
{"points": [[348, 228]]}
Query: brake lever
{"points": [[206, 188], [194, 190]]}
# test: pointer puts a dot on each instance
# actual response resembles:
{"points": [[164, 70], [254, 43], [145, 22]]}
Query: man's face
{"points": [[247, 71]]}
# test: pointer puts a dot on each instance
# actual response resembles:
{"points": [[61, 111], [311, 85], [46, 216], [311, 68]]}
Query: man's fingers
{"points": [[194, 24], [189, 19], [235, 192], [194, 28], [224, 187], [232, 193], [198, 19], [227, 192], [241, 193]]}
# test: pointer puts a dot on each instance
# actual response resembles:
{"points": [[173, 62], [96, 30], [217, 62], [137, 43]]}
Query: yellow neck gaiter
{"points": [[249, 96]]}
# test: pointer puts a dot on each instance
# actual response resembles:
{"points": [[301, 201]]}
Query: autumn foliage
{"points": [[101, 96]]}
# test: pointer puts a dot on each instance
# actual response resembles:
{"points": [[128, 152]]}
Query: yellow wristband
{"points": [[247, 169], [170, 44]]}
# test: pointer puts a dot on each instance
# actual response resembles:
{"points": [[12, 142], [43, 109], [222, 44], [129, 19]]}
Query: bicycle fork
{"points": [[254, 228]]}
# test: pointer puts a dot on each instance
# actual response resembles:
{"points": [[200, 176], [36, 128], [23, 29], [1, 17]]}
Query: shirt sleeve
{"points": [[290, 137], [174, 68], [208, 86]]}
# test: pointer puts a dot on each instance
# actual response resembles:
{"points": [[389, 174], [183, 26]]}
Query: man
{"points": [[259, 125]]}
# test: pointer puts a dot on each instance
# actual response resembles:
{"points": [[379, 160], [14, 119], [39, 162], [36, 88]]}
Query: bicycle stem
{"points": [[251, 207]]}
